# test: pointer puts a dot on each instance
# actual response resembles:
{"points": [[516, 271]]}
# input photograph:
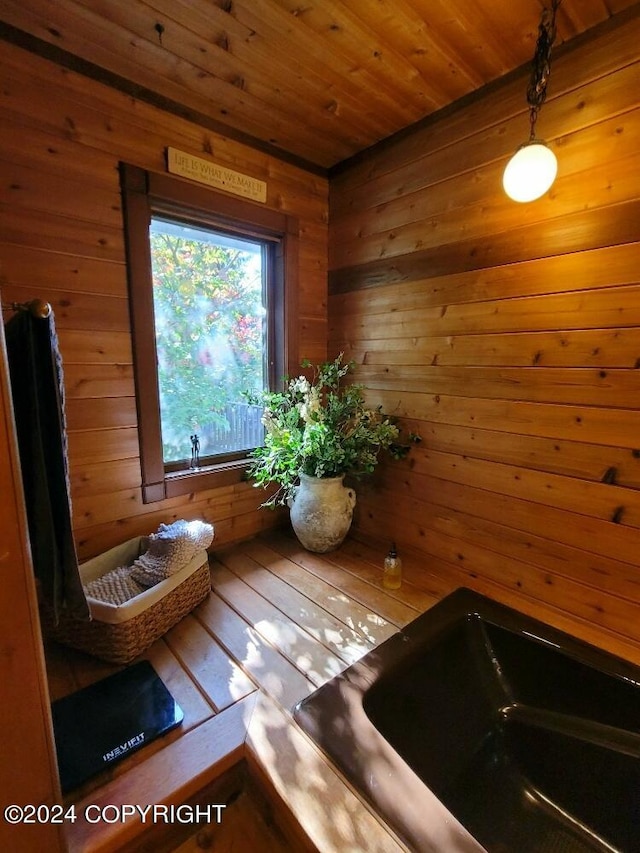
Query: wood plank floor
{"points": [[279, 619], [279, 622]]}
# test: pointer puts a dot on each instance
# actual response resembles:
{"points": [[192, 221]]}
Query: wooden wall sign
{"points": [[214, 175]]}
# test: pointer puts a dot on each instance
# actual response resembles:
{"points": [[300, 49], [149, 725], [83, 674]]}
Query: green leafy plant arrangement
{"points": [[322, 428]]}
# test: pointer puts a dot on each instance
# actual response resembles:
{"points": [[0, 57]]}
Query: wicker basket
{"points": [[119, 634]]}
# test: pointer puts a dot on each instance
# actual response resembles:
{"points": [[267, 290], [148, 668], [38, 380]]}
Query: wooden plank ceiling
{"points": [[318, 80]]}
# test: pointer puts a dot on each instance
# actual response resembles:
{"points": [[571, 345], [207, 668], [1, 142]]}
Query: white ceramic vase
{"points": [[321, 512]]}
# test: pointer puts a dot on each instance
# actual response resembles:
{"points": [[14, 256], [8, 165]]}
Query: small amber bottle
{"points": [[392, 577]]}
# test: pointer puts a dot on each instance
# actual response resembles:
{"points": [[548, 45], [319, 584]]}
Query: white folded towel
{"points": [[169, 550]]}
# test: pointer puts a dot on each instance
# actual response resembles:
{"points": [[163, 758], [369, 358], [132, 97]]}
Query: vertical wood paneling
{"points": [[509, 337], [61, 138]]}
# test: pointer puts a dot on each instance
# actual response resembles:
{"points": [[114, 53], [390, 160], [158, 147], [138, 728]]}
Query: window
{"points": [[211, 283], [210, 305]]}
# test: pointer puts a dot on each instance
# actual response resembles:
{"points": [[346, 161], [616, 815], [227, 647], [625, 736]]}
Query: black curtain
{"points": [[37, 386]]}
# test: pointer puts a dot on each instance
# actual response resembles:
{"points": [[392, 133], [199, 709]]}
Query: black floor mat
{"points": [[108, 720]]}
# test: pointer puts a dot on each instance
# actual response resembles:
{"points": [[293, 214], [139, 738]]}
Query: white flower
{"points": [[311, 409], [300, 385], [314, 404]]}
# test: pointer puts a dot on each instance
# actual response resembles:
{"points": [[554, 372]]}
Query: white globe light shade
{"points": [[530, 172]]}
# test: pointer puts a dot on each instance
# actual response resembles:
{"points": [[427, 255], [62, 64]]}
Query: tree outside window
{"points": [[213, 294], [209, 306]]}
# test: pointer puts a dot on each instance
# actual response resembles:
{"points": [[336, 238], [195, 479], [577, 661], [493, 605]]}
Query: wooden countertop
{"points": [[279, 622]]}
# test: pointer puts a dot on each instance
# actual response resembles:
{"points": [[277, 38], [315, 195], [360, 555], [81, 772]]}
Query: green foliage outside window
{"points": [[209, 316]]}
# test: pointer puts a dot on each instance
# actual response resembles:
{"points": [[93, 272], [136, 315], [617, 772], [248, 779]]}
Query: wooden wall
{"points": [[61, 239], [509, 336]]}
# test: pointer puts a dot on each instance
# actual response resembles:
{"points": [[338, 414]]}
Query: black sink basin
{"points": [[480, 728]]}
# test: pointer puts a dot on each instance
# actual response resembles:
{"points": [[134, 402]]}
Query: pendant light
{"points": [[532, 169]]}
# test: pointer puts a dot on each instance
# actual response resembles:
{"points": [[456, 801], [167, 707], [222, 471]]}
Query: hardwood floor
{"points": [[279, 619], [279, 622]]}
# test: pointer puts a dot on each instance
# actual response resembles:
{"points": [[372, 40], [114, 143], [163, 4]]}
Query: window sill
{"points": [[197, 480]]}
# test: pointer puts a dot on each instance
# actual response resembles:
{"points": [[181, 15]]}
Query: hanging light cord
{"points": [[537, 89]]}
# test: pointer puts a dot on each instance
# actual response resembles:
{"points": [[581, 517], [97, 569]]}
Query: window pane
{"points": [[209, 295]]}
